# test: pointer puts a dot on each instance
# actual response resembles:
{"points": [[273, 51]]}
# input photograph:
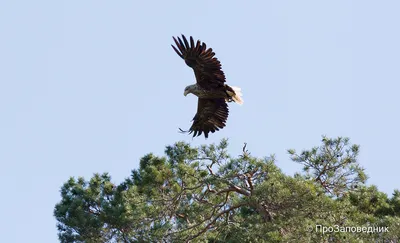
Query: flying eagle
{"points": [[210, 87]]}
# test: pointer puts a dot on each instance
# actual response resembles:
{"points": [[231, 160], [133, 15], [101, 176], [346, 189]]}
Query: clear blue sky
{"points": [[91, 86]]}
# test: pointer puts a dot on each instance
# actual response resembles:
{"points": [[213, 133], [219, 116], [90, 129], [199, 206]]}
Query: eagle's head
{"points": [[190, 89]]}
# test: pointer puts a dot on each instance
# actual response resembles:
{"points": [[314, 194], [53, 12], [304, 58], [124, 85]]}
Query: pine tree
{"points": [[205, 195]]}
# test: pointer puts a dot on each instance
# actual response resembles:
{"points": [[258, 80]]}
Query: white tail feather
{"points": [[238, 95]]}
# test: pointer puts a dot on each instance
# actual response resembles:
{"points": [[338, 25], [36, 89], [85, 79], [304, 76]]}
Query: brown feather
{"points": [[210, 117], [211, 113], [186, 42]]}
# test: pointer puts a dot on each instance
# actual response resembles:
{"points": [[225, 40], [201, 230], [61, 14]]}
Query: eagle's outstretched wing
{"points": [[207, 68], [210, 117]]}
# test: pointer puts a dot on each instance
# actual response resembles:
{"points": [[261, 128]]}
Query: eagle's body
{"points": [[210, 88], [226, 92]]}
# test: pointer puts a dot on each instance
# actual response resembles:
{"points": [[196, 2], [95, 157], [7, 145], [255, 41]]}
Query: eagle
{"points": [[210, 88]]}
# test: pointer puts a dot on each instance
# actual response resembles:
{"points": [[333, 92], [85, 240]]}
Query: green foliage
{"points": [[205, 195], [333, 165]]}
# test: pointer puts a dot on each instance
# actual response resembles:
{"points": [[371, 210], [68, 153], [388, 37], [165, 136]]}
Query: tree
{"points": [[205, 195]]}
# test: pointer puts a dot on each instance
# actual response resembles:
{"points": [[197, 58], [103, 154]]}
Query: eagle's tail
{"points": [[237, 97]]}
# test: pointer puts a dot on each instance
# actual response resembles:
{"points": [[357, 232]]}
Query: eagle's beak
{"points": [[186, 92]]}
